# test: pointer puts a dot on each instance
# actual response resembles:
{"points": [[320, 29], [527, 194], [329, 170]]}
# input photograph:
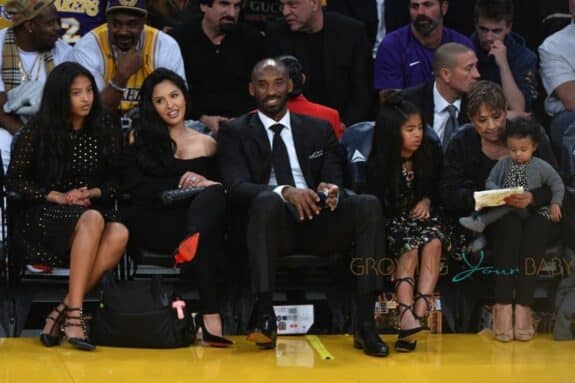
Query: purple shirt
{"points": [[402, 62], [79, 17]]}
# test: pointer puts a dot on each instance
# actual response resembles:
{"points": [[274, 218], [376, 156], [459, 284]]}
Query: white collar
{"points": [[267, 122], [440, 103]]}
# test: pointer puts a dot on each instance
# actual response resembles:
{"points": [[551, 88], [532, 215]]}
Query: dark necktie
{"points": [[280, 158], [450, 126]]}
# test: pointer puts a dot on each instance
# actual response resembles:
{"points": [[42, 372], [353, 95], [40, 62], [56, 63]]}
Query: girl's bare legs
{"points": [[83, 252], [428, 275], [107, 244], [406, 266]]}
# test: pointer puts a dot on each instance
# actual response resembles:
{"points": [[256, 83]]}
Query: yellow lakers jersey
{"points": [[148, 48]]}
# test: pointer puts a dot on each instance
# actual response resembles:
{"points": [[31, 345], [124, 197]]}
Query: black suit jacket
{"points": [[396, 14], [347, 63], [244, 155], [422, 96]]}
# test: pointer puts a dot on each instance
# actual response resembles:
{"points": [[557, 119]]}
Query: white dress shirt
{"points": [[440, 115], [287, 136]]}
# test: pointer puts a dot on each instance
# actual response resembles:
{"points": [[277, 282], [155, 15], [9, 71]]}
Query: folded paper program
{"points": [[495, 197]]}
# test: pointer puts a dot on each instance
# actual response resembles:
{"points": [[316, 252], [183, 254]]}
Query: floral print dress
{"points": [[404, 233]]}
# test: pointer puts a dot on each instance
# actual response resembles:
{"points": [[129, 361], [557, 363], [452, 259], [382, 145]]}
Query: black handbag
{"points": [[142, 314]]}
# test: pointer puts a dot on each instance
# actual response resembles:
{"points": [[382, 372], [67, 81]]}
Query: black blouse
{"points": [[466, 168], [146, 174], [86, 167]]}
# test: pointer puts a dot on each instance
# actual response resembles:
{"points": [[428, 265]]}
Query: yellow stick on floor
{"points": [[319, 347]]}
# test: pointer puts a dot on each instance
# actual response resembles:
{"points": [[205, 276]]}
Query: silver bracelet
{"points": [[115, 86]]}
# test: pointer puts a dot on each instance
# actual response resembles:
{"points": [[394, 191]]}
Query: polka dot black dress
{"points": [[517, 176], [44, 230]]}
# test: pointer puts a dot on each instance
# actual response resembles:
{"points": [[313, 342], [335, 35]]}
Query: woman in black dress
{"points": [[65, 165], [403, 169], [163, 155]]}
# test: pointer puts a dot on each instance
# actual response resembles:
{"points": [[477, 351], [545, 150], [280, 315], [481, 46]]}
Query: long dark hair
{"points": [[385, 162], [54, 123], [152, 135]]}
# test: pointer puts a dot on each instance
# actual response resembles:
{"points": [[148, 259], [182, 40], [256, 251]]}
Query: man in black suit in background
{"points": [[379, 16], [334, 52], [275, 164], [441, 100]]}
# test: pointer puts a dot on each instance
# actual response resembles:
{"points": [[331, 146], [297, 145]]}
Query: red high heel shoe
{"points": [[187, 249]]}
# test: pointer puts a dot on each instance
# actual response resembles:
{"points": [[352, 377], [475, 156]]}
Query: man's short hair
{"points": [[266, 63], [445, 56], [209, 3], [439, 1], [496, 10]]}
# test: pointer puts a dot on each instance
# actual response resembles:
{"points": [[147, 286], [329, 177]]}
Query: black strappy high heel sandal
{"points": [[428, 307], [406, 339], [54, 336], [77, 321], [209, 338]]}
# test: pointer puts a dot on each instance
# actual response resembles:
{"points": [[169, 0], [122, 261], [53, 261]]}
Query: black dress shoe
{"points": [[365, 337], [263, 330]]}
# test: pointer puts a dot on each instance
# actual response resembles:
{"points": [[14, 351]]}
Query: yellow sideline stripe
{"points": [[319, 347]]}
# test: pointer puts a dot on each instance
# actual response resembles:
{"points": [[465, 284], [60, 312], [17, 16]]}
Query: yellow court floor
{"points": [[438, 358]]}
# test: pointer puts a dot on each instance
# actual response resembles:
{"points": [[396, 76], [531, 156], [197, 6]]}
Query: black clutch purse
{"points": [[169, 197]]}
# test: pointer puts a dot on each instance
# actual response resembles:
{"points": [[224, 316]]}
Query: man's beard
{"points": [[228, 26], [427, 28], [45, 47]]}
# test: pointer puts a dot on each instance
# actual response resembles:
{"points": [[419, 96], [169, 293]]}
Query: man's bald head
{"points": [[270, 85], [455, 70], [269, 64], [446, 56]]}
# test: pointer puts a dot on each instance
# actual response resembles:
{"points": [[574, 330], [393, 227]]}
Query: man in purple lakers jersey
{"points": [[78, 17]]}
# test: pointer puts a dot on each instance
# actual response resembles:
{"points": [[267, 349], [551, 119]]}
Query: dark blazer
{"points": [[347, 62], [396, 14], [422, 97], [245, 157]]}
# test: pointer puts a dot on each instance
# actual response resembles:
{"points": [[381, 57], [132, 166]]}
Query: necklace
{"points": [[407, 170], [37, 63]]}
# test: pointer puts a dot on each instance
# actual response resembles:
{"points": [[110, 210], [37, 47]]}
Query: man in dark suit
{"points": [[334, 52], [441, 100], [276, 164], [392, 16]]}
